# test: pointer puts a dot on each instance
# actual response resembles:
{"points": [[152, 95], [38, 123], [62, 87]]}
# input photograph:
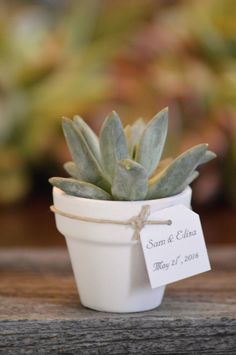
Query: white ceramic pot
{"points": [[108, 264]]}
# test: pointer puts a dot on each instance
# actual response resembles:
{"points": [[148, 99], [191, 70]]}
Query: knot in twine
{"points": [[137, 222]]}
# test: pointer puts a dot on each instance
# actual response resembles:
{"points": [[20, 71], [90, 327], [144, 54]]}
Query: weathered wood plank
{"points": [[40, 311]]}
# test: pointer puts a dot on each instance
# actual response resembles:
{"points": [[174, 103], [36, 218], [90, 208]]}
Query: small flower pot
{"points": [[107, 262]]}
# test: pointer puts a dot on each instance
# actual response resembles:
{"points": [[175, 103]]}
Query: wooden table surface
{"points": [[40, 311]]}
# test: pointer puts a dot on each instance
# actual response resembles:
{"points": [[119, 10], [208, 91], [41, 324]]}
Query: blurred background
{"points": [[88, 57]]}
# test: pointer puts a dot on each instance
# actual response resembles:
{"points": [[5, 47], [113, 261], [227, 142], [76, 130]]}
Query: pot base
{"points": [[125, 309]]}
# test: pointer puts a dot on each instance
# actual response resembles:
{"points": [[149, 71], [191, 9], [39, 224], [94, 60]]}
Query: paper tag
{"points": [[177, 251]]}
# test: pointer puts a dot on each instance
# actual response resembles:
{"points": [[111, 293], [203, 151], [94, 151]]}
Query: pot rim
{"points": [[62, 194]]}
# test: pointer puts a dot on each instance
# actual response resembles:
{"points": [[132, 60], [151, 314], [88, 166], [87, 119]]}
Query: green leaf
{"points": [[89, 168], [89, 136], [208, 156], [130, 181], [113, 145], [73, 170], [168, 181], [187, 182], [128, 136], [150, 147], [162, 165], [80, 188], [133, 134]]}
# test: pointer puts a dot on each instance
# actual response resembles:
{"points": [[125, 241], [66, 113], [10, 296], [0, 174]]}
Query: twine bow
{"points": [[137, 222]]}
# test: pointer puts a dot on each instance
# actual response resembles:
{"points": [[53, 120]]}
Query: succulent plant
{"points": [[125, 164]]}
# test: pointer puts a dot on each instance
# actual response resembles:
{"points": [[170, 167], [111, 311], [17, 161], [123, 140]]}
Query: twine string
{"points": [[136, 222]]}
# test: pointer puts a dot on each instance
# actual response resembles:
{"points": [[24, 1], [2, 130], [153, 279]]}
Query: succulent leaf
{"points": [[137, 128], [73, 170], [187, 182], [133, 134], [90, 137], [208, 156], [169, 180], [150, 147], [191, 178], [113, 144], [130, 181], [80, 188], [162, 165], [82, 156], [128, 136]]}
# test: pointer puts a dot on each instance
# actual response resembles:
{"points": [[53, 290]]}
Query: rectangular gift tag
{"points": [[177, 251]]}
